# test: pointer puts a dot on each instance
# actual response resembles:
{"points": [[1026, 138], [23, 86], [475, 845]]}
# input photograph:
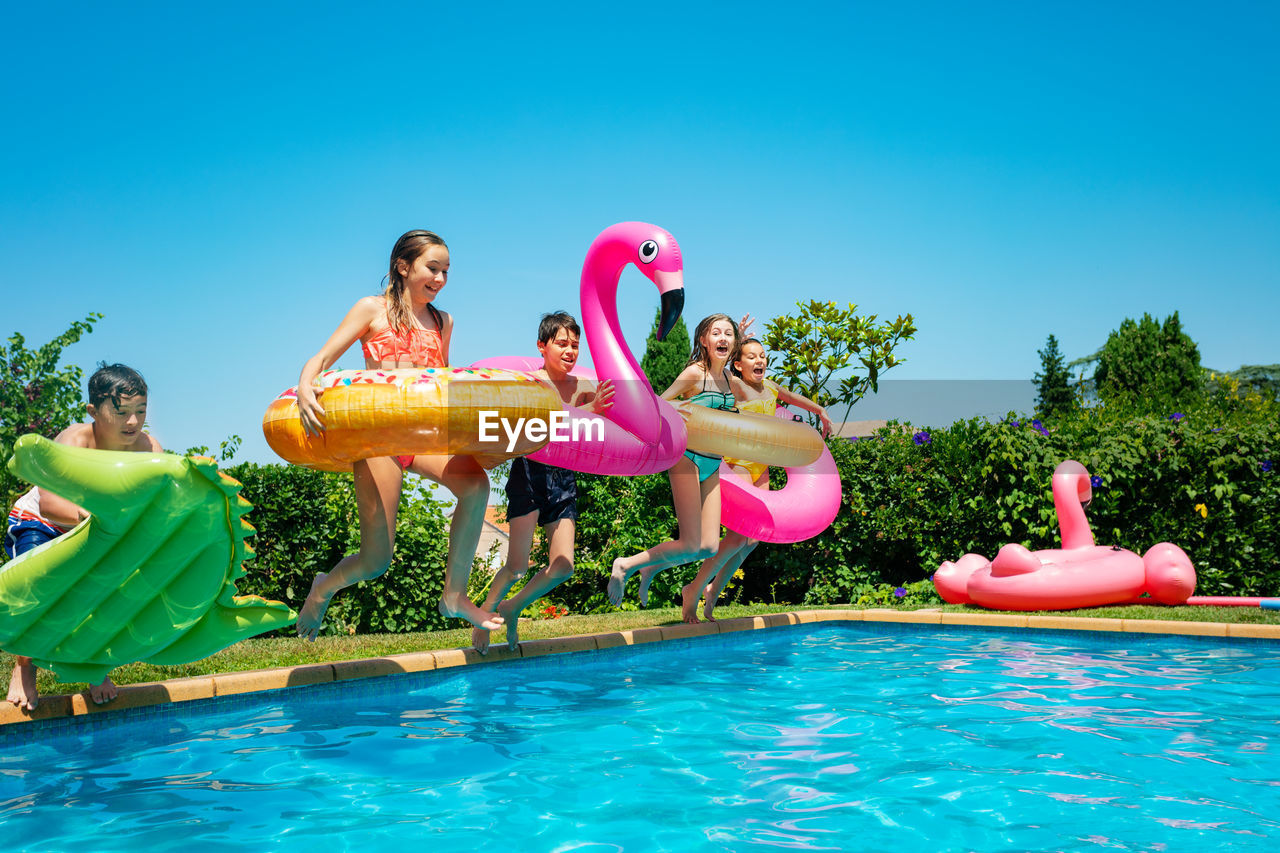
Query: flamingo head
{"points": [[657, 255]]}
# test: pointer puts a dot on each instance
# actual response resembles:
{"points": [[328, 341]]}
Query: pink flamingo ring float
{"points": [[1079, 574], [800, 510], [643, 434]]}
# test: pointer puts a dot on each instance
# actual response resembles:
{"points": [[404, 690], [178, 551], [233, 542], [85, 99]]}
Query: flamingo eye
{"points": [[648, 251]]}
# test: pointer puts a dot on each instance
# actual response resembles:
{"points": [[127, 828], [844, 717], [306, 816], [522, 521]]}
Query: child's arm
{"points": [[800, 401], [684, 383], [59, 510], [350, 330], [600, 396], [446, 334]]}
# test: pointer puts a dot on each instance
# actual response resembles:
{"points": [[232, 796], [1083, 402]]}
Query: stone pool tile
{"points": [[924, 617], [50, 707], [1257, 632], [682, 630], [414, 661], [808, 616], [739, 623], [629, 638], [446, 658], [776, 620], [1162, 626], [994, 620], [145, 695], [557, 645], [344, 670], [272, 679], [1074, 623]]}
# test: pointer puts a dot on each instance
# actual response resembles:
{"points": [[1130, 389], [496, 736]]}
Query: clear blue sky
{"points": [[223, 181]]}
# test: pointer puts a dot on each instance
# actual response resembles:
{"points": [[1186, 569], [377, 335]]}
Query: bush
{"points": [[1202, 479], [307, 521]]}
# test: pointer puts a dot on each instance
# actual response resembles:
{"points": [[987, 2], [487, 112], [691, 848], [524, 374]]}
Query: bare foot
{"points": [[617, 582], [311, 616], [646, 578], [104, 692], [513, 627], [480, 640], [688, 609], [708, 595], [22, 686], [461, 607]]}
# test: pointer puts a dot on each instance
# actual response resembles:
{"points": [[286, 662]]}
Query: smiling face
{"points": [[427, 275], [560, 353], [719, 340], [117, 424], [751, 362]]}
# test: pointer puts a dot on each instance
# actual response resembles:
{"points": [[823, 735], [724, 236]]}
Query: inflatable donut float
{"points": [[753, 437], [410, 411]]}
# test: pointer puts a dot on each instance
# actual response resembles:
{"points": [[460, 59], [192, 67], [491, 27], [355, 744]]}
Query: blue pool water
{"points": [[831, 737]]}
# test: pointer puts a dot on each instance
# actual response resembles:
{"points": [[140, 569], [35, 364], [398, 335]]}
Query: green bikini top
{"points": [[713, 399]]}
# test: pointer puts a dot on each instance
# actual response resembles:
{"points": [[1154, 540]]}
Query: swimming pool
{"points": [[828, 737]]}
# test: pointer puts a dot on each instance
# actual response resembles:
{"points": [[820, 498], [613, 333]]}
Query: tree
{"points": [[1053, 382], [36, 395], [663, 360], [823, 340], [1149, 365]]}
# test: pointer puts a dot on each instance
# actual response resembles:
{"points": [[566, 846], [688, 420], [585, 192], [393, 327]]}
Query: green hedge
{"points": [[306, 522], [1201, 479]]}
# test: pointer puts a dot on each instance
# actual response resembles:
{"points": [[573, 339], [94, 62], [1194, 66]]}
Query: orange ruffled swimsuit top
{"points": [[420, 347]]}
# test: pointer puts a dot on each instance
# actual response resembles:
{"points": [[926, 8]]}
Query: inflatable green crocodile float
{"points": [[149, 576]]}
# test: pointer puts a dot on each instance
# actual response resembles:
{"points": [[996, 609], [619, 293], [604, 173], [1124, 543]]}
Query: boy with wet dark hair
{"points": [[118, 409]]}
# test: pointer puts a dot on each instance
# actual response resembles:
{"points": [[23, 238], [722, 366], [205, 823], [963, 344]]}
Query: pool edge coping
{"points": [[261, 680]]}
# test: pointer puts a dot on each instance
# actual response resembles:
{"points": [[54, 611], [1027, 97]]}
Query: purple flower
{"points": [[1266, 466], [1015, 423], [899, 592], [1176, 416], [1042, 431], [1037, 425], [1216, 429], [922, 437], [1095, 481]]}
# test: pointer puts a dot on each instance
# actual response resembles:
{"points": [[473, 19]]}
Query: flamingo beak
{"points": [[672, 305]]}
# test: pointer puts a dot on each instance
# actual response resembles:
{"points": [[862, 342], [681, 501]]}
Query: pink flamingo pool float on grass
{"points": [[1079, 574]]}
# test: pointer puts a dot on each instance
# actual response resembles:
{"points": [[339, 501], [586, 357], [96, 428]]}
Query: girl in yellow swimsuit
{"points": [[754, 393], [695, 478], [401, 328]]}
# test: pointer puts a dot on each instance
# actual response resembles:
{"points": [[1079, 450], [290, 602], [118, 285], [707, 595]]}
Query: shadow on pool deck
{"points": [[230, 684]]}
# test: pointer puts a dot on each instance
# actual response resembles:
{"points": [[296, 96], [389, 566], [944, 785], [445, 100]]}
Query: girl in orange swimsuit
{"points": [[401, 328]]}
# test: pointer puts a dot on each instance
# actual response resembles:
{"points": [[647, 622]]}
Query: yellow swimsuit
{"points": [[764, 406]]}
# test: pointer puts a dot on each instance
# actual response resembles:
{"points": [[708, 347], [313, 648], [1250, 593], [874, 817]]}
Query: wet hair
{"points": [[699, 354], [113, 381], [410, 245], [736, 355], [552, 323]]}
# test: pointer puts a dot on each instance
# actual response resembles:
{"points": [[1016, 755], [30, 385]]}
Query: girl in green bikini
{"points": [[695, 478]]}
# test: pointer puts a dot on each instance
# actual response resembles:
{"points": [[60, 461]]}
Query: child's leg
{"points": [[560, 536], [709, 493], [518, 545], [463, 476], [688, 497], [22, 685], [692, 592], [731, 565], [377, 483]]}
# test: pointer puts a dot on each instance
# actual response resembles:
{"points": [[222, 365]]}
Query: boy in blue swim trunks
{"points": [[541, 495], [118, 407]]}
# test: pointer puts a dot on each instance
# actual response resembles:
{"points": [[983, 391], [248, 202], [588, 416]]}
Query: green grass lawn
{"points": [[277, 651]]}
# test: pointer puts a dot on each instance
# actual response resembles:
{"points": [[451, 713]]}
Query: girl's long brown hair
{"points": [[410, 245]]}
